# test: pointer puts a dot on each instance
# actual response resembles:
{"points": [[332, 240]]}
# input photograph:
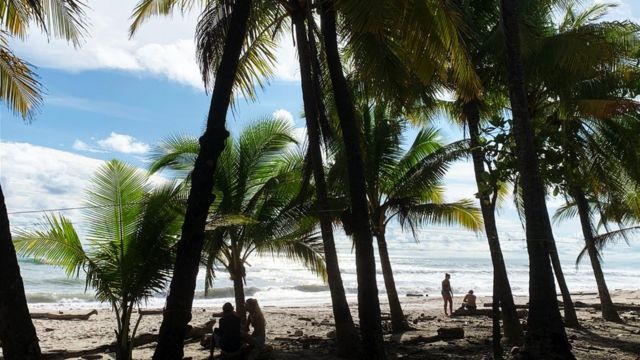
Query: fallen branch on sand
{"points": [[195, 333], [482, 312], [444, 334], [60, 316], [518, 306], [618, 306]]}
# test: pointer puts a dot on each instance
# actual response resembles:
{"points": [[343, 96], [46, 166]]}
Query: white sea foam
{"points": [[418, 268]]}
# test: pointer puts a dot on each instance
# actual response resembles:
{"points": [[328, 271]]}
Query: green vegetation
{"points": [[128, 251], [548, 91]]}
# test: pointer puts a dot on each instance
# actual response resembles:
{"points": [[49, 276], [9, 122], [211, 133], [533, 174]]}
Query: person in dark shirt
{"points": [[228, 336]]}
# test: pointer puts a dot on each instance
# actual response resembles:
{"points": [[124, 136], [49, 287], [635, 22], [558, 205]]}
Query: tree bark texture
{"points": [[398, 320]]}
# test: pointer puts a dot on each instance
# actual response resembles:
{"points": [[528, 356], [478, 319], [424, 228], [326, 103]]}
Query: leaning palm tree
{"points": [[21, 92], [546, 336], [224, 61], [258, 182], [128, 252], [406, 186]]}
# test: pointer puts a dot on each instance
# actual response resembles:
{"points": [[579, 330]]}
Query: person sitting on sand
{"points": [[256, 320], [447, 294], [227, 336], [469, 301]]}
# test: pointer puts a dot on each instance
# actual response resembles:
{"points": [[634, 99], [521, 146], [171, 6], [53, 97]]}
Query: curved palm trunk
{"points": [[502, 293], [17, 333], [368, 302], [398, 320], [546, 337], [570, 317], [177, 312], [345, 330], [608, 309]]}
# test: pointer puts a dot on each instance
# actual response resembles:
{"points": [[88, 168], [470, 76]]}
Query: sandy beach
{"points": [[305, 332]]}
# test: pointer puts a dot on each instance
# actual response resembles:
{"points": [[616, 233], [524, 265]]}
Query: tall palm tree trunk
{"points": [[17, 333], [368, 302], [608, 309], [546, 336], [570, 316], [512, 328], [345, 330], [398, 321], [177, 312]]}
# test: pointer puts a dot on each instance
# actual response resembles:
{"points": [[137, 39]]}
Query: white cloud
{"points": [[284, 115], [36, 178], [123, 143], [163, 46], [83, 146], [41, 178]]}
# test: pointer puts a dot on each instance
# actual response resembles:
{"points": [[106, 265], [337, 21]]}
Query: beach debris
{"points": [[331, 334], [423, 317], [305, 319], [194, 333], [618, 306], [151, 312], [298, 333], [62, 316], [415, 295], [482, 312], [514, 351], [444, 334], [518, 306]]}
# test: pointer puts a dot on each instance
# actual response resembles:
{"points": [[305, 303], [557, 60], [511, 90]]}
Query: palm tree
{"points": [[368, 302], [258, 185], [129, 251], [20, 91], [577, 104], [406, 186], [546, 336], [314, 111], [471, 111], [224, 58]]}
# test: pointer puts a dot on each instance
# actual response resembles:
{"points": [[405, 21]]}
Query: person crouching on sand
{"points": [[469, 301], [447, 294], [227, 335]]}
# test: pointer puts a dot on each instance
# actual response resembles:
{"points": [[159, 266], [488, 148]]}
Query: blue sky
{"points": [[115, 98]]}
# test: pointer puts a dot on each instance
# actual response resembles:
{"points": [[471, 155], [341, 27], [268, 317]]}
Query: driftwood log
{"points": [[518, 306], [618, 306], [482, 312], [194, 334], [59, 316], [444, 334]]}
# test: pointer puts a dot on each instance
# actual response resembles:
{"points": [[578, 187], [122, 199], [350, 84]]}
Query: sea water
{"points": [[418, 264]]}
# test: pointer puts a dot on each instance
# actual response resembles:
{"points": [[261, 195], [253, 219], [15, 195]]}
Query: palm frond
{"points": [[65, 18], [19, 86], [56, 243], [146, 9]]}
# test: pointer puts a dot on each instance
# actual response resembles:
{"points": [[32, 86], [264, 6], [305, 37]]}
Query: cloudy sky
{"points": [[116, 97]]}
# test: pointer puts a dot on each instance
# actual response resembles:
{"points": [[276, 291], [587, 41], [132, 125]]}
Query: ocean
{"points": [[419, 267]]}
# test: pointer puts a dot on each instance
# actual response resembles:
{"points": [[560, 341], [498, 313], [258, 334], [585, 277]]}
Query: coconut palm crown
{"points": [[128, 251]]}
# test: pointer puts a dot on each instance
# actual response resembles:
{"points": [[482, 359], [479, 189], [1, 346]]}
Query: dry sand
{"points": [[286, 326]]}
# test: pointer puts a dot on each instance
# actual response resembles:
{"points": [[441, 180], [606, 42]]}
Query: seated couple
{"points": [[230, 336]]}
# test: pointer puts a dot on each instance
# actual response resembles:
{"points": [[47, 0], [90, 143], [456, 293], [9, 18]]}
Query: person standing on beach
{"points": [[447, 294]]}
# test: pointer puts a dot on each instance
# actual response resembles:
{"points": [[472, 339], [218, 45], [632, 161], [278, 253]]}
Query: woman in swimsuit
{"points": [[447, 294]]}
